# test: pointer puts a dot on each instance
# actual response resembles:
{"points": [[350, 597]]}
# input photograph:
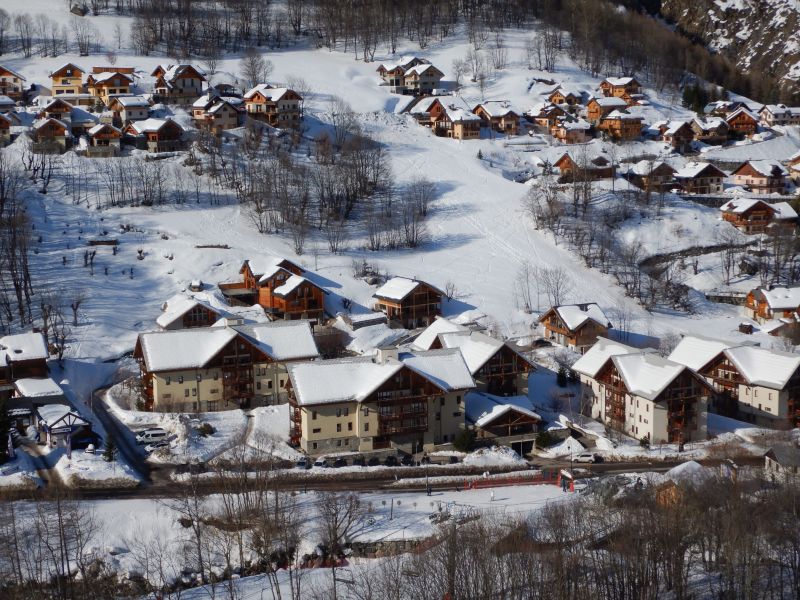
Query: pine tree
{"points": [[110, 450], [480, 155], [561, 377], [5, 426]]}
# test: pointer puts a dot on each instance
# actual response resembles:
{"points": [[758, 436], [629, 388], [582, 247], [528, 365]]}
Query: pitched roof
{"points": [[575, 315], [696, 352], [339, 380], [476, 347], [739, 111], [101, 126], [618, 115], [785, 455], [781, 298], [610, 102], [620, 81], [647, 167], [22, 347], [64, 66], [759, 366], [742, 205], [291, 284], [179, 305], [14, 73], [397, 288], [52, 414], [646, 374], [590, 363], [37, 387], [767, 168], [281, 340], [445, 368], [152, 125], [784, 210], [496, 108], [459, 114], [183, 348], [108, 75], [132, 101], [481, 409], [695, 169], [425, 340], [270, 93]]}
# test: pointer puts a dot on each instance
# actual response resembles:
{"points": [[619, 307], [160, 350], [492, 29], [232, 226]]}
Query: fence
{"points": [[540, 478]]}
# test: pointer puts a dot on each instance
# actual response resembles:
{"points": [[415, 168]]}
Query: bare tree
{"points": [[557, 284], [254, 68], [341, 517], [75, 305], [459, 69]]}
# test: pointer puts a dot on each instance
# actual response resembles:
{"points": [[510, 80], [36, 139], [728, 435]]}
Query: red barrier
{"points": [[478, 484]]}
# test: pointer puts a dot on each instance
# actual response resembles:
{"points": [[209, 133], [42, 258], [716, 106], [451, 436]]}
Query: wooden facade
{"points": [[769, 180], [742, 123], [754, 219], [67, 80], [278, 107], [659, 177], [417, 309], [105, 82], [104, 141], [626, 88], [580, 339], [680, 137], [621, 127], [596, 168], [560, 96], [177, 84], [502, 121], [759, 309], [12, 84], [596, 109]]}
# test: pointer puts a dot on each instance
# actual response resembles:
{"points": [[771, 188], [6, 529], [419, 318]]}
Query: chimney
{"points": [[385, 353], [231, 321]]}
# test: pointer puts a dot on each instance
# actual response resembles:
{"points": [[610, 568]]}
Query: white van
{"points": [[148, 436]]}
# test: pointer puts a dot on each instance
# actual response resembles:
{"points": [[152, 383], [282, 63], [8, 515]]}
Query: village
{"points": [[482, 285]]}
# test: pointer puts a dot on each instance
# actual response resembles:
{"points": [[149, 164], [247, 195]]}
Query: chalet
{"points": [[12, 84], [279, 107], [458, 124], [77, 119], [498, 116], [576, 326], [678, 134], [761, 176], [411, 400], [644, 394], [779, 114], [650, 175], [742, 122], [597, 108], [700, 178], [410, 76], [626, 88], [5, 130], [409, 302], [105, 82], [178, 84], [494, 365], [749, 215], [782, 463], [217, 114], [564, 96], [184, 312], [766, 303], [722, 108], [104, 141], [426, 110], [495, 418], [67, 79], [51, 136], [711, 130], [22, 355], [278, 286], [547, 116], [32, 392], [156, 135], [216, 368], [7, 105], [621, 126], [763, 386], [127, 109], [593, 167], [571, 132], [61, 425]]}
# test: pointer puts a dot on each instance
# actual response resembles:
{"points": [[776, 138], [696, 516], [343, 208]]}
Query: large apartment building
{"points": [[216, 368], [403, 400]]}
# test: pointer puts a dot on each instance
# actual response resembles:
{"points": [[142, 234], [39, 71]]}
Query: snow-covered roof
{"points": [[172, 72], [339, 380], [496, 108], [575, 315], [133, 101], [784, 210], [476, 347], [291, 284], [739, 111], [610, 102], [22, 347], [646, 167], [270, 93], [568, 124], [782, 298], [66, 65], [590, 363], [693, 169], [696, 352], [423, 106], [263, 268], [618, 115], [152, 125], [459, 114], [14, 73], [104, 76], [100, 126], [425, 340], [419, 69], [282, 340], [673, 126], [396, 288], [619, 81], [51, 414], [481, 409], [179, 305], [37, 387], [646, 374], [403, 63], [767, 168], [183, 348], [5, 101], [741, 205], [708, 123], [445, 368], [768, 368]]}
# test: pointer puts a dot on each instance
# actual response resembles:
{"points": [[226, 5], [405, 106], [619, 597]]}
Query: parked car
{"points": [[339, 462], [148, 436], [303, 463], [359, 461], [156, 445], [322, 463], [407, 460], [374, 461], [391, 461], [586, 457], [454, 460]]}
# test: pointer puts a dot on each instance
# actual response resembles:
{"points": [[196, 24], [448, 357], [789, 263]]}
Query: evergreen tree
{"points": [[110, 450], [5, 426], [561, 377]]}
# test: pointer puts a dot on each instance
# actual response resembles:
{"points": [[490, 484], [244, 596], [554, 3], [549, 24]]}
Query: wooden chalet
{"points": [[700, 178], [761, 176], [547, 116], [779, 114], [426, 110], [597, 167], [183, 312], [410, 76], [576, 326], [711, 130], [278, 286], [678, 134], [621, 126], [626, 88], [409, 302], [774, 302], [156, 135], [217, 114], [178, 84], [563, 96], [509, 421], [127, 109], [5, 130], [104, 141], [654, 176], [105, 82], [742, 123], [50, 136], [749, 215], [12, 84], [22, 356], [278, 107], [498, 117], [67, 79], [571, 132], [457, 124], [597, 108]]}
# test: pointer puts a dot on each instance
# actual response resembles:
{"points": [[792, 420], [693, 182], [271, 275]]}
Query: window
{"points": [[366, 411], [338, 428], [366, 426], [313, 445], [346, 411], [180, 379], [269, 384], [338, 412], [194, 391], [339, 443], [350, 426], [258, 385], [186, 393], [316, 430], [441, 401], [199, 377], [347, 441], [216, 376], [167, 379], [313, 415], [456, 414], [458, 399]]}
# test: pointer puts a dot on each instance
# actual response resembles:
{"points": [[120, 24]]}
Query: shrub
{"points": [[465, 440], [561, 377], [206, 429], [110, 450], [545, 439]]}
